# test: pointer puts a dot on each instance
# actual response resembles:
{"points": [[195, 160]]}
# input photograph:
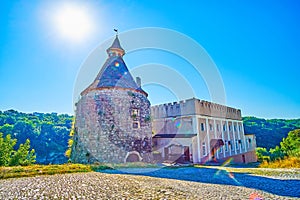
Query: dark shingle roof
{"points": [[116, 74]]}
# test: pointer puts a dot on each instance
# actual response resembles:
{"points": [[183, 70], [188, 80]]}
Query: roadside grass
{"points": [[288, 162], [34, 170], [103, 166]]}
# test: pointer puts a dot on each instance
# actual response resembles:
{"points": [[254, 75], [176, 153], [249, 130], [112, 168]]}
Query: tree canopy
{"points": [[289, 147], [48, 133], [265, 129], [11, 157]]}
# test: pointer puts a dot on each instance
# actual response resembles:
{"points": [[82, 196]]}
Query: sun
{"points": [[73, 22]]}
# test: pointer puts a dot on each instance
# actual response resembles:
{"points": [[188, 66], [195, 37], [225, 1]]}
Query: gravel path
{"points": [[95, 185]]}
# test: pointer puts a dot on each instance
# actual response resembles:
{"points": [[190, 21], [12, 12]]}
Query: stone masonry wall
{"points": [[110, 125]]}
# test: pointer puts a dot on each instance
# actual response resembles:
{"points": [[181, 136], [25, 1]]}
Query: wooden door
{"points": [[186, 153]]}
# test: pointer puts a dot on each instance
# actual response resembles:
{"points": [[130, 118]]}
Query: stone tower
{"points": [[113, 122]]}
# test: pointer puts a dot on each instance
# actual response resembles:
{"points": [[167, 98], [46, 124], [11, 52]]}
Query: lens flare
{"points": [[178, 124], [225, 171], [255, 196]]}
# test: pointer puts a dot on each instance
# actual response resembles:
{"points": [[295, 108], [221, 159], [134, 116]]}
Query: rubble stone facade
{"points": [[112, 123]]}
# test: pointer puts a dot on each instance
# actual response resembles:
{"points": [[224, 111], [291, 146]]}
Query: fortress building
{"points": [[113, 124], [112, 121], [200, 131]]}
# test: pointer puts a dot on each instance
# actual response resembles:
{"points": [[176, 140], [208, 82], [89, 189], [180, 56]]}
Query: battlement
{"points": [[194, 107]]}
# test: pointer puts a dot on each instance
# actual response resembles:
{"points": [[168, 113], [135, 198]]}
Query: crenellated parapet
{"points": [[195, 107]]}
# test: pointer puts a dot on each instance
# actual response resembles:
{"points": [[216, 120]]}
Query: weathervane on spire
{"points": [[116, 30]]}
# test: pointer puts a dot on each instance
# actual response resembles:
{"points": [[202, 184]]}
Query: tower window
{"points": [[135, 113], [135, 125]]}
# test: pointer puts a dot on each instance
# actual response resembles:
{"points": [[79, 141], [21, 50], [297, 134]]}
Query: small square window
{"points": [[135, 125], [135, 112]]}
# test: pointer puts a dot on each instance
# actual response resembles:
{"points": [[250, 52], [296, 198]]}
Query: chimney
{"points": [[138, 81]]}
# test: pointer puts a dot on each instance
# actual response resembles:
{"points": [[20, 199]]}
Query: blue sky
{"points": [[255, 45]]}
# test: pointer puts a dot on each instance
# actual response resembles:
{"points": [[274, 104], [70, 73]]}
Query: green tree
{"points": [[291, 144], [262, 154], [23, 156], [6, 149], [10, 157], [70, 141], [276, 154], [7, 129]]}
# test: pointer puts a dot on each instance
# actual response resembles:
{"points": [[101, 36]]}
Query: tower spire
{"points": [[115, 49]]}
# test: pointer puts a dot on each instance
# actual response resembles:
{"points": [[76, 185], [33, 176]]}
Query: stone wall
{"points": [[111, 125]]}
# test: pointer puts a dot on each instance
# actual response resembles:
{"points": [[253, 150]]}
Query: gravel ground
{"points": [[182, 183]]}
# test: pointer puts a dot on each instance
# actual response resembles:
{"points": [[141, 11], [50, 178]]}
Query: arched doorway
{"points": [[132, 156]]}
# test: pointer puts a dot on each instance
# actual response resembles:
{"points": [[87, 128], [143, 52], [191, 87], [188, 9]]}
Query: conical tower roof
{"points": [[114, 73]]}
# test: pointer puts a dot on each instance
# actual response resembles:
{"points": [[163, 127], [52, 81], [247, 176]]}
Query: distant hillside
{"points": [[270, 132], [48, 133]]}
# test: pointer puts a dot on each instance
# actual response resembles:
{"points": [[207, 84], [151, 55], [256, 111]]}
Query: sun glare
{"points": [[73, 22]]}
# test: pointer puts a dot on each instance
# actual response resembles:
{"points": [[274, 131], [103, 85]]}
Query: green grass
{"points": [[103, 166], [34, 170]]}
